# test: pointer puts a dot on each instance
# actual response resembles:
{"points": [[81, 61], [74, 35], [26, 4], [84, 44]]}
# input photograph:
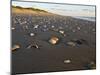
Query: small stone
{"points": [[71, 43], [80, 41], [26, 27], [64, 35], [45, 26], [67, 61], [60, 27], [23, 22], [52, 26], [78, 28], [32, 34], [56, 30], [36, 26], [54, 40], [13, 28], [61, 31], [66, 26], [73, 30]]}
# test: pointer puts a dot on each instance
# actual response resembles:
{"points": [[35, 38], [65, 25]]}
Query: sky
{"points": [[61, 9]]}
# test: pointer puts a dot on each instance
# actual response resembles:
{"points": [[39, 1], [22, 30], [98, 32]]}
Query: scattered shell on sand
{"points": [[54, 40], [16, 46], [67, 61]]}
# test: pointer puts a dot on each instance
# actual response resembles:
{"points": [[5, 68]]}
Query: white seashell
{"points": [[32, 34], [67, 61], [52, 26], [61, 31], [36, 26]]}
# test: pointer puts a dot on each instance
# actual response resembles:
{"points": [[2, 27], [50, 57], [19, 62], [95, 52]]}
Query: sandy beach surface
{"points": [[75, 49]]}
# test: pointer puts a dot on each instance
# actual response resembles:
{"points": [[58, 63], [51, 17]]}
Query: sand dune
{"points": [[30, 11]]}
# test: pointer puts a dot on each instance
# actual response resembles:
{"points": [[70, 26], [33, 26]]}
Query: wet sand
{"points": [[48, 57]]}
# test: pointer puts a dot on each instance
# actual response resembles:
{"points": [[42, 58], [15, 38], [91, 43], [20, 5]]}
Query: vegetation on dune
{"points": [[17, 7], [30, 8]]}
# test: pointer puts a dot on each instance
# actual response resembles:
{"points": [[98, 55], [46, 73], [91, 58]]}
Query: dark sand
{"points": [[50, 58]]}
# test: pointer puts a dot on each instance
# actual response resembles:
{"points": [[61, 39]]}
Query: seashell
{"points": [[54, 40], [67, 61], [15, 47]]}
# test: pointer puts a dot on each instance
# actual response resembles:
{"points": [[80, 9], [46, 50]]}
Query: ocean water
{"points": [[86, 18]]}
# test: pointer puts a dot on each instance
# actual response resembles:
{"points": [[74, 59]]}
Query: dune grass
{"points": [[29, 8]]}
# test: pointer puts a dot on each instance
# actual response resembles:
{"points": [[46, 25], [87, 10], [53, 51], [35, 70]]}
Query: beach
{"points": [[74, 50]]}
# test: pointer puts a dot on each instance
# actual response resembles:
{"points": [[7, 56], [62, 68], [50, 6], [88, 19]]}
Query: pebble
{"points": [[32, 34], [45, 26], [61, 31], [80, 41], [71, 43], [73, 31], [60, 27], [13, 28], [36, 26], [78, 28], [52, 26]]}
